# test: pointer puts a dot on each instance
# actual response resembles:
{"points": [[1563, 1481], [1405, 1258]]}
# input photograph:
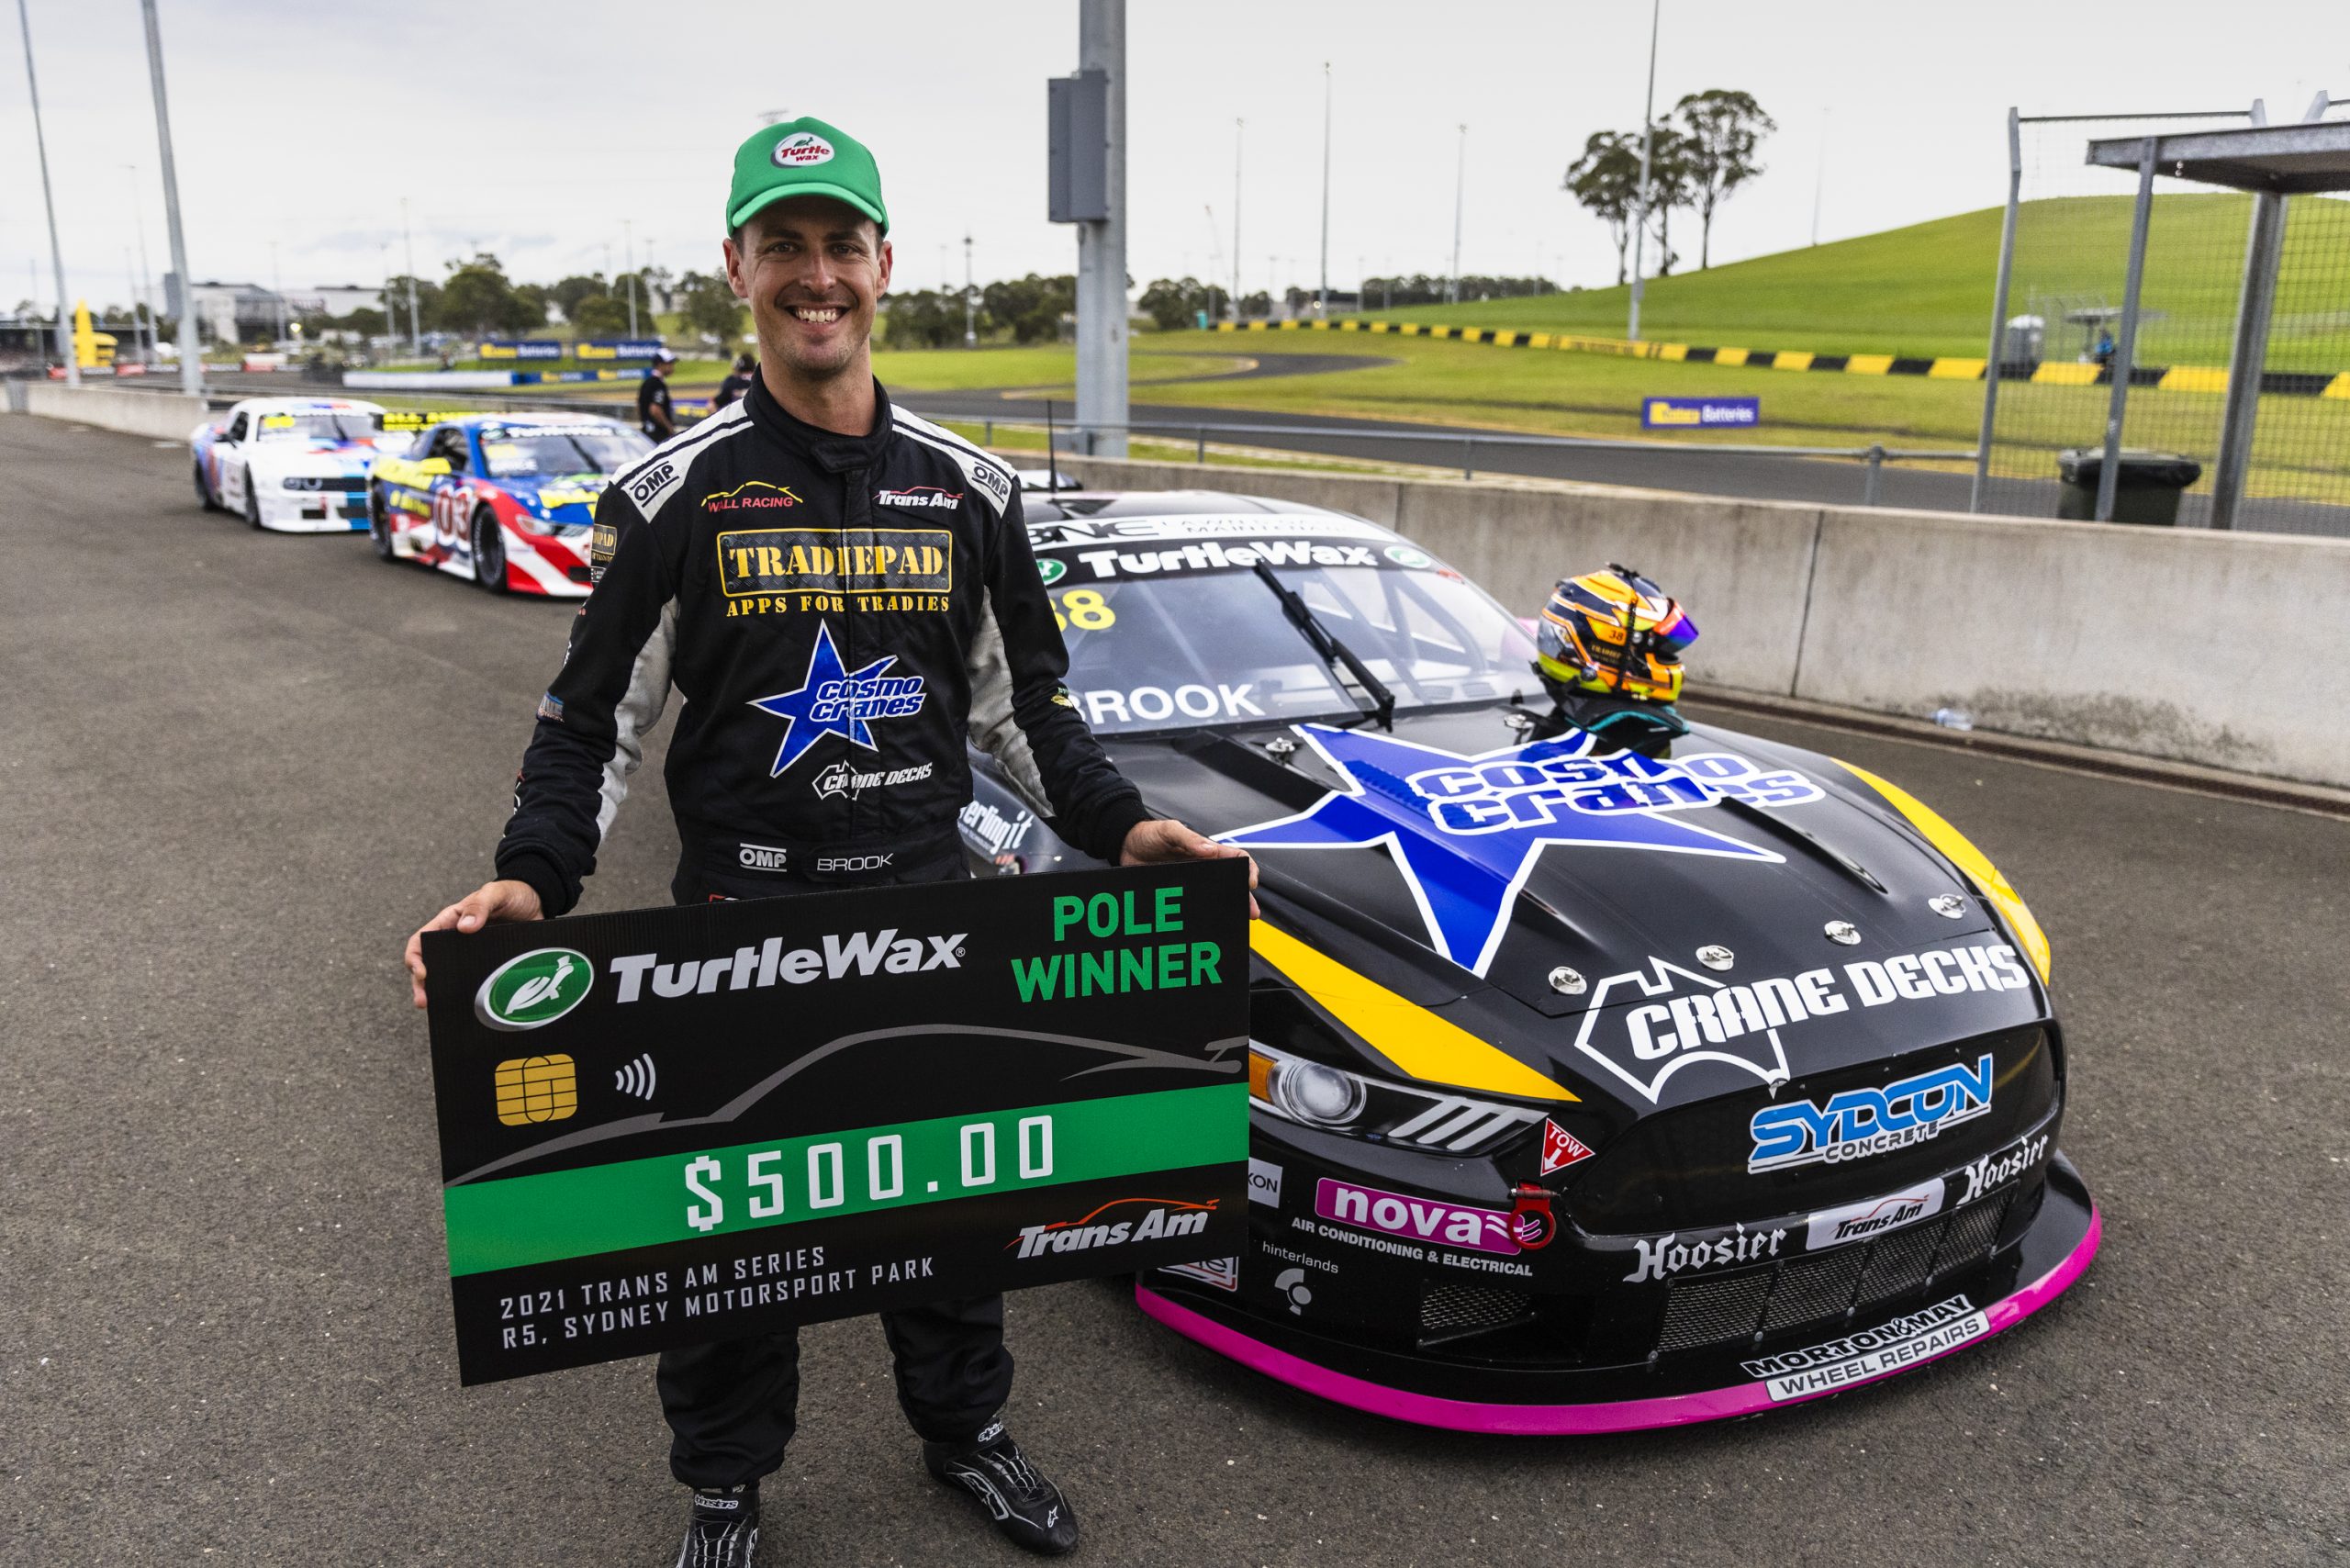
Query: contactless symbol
{"points": [[536, 1089], [637, 1077]]}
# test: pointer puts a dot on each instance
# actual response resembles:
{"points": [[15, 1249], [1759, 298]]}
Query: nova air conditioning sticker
{"points": [[1465, 831], [833, 700]]}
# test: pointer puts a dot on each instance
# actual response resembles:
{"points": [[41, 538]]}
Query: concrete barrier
{"points": [[2229, 650], [161, 415]]}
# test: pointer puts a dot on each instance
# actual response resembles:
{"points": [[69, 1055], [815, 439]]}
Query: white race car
{"points": [[297, 464]]}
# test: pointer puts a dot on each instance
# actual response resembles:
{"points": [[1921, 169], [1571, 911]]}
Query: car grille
{"points": [[1450, 1309], [1724, 1308]]}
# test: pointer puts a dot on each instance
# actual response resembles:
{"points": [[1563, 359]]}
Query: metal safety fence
{"points": [[2064, 328]]}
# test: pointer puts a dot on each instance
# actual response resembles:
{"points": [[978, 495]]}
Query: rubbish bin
{"points": [[2147, 490]]}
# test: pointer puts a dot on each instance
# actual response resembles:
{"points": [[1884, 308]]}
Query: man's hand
{"points": [[489, 903], [1155, 843]]}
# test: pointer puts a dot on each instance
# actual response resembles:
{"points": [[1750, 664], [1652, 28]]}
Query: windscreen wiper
{"points": [[1334, 652]]}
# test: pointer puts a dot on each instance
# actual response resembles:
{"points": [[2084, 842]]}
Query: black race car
{"points": [[1597, 1084]]}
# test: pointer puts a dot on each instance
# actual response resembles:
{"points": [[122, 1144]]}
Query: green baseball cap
{"points": [[804, 157]]}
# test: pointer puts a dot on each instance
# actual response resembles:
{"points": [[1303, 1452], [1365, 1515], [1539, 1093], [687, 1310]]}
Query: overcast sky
{"points": [[535, 131]]}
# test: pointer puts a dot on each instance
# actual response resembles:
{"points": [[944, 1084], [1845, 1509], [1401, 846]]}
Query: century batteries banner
{"points": [[671, 1125]]}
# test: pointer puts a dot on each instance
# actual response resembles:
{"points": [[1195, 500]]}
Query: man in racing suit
{"points": [[839, 592]]}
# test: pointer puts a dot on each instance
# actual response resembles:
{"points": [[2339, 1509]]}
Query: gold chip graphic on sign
{"points": [[536, 1089]]}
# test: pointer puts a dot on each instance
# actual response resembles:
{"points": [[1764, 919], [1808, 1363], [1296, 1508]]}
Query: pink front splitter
{"points": [[1556, 1420]]}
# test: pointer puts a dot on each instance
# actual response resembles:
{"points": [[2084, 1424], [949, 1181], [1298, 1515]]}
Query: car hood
{"points": [[1541, 893], [555, 491]]}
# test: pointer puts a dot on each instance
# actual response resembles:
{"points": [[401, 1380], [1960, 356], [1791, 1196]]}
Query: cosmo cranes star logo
{"points": [[1465, 831], [837, 700]]}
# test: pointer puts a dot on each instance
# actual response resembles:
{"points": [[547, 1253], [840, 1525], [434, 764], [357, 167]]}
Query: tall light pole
{"points": [[1102, 243], [1239, 130], [146, 278], [277, 296], [1820, 179], [628, 256], [970, 306], [1322, 299], [56, 256], [1459, 192], [414, 320], [191, 357], [1648, 144]]}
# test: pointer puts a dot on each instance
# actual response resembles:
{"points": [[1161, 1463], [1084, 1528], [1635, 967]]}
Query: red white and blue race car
{"points": [[506, 500], [294, 465]]}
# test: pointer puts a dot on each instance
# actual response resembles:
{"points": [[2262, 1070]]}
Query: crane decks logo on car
{"points": [[1683, 1016], [802, 150], [535, 989]]}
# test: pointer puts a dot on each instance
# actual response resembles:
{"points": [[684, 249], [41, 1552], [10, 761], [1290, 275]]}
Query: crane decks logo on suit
{"points": [[764, 571]]}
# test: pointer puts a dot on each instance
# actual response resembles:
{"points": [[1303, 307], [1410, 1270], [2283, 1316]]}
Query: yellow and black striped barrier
{"points": [[2051, 373]]}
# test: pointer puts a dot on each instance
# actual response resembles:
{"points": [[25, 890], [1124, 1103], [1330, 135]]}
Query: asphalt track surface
{"points": [[242, 766]]}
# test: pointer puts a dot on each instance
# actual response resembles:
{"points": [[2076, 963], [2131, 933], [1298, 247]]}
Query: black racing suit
{"points": [[651, 392], [837, 613]]}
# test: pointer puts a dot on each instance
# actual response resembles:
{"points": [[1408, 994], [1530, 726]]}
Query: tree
{"points": [[600, 316], [477, 298], [366, 320], [1605, 182], [1033, 306], [924, 317], [708, 303], [1723, 129], [427, 296], [1174, 303], [567, 294], [1670, 186]]}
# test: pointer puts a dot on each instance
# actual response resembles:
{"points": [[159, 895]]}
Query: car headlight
{"points": [[1317, 1094], [302, 482]]}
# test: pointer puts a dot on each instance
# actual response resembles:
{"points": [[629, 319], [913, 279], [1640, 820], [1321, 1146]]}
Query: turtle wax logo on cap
{"points": [[535, 989], [802, 150]]}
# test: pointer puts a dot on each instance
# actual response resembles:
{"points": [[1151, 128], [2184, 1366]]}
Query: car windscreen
{"points": [[513, 451], [315, 427], [1171, 649]]}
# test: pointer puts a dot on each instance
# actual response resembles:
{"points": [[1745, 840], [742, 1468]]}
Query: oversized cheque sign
{"points": [[666, 1126]]}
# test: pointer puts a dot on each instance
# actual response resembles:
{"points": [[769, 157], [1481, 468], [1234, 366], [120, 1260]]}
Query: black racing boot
{"points": [[722, 1532], [1024, 1505]]}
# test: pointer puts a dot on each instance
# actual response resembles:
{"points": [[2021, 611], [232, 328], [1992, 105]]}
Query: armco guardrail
{"points": [[2090, 632], [161, 416]]}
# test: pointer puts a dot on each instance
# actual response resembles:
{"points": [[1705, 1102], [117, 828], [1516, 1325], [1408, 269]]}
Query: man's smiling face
{"points": [[812, 270]]}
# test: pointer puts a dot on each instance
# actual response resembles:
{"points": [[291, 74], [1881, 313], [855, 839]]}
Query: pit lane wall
{"points": [[159, 415], [2226, 650]]}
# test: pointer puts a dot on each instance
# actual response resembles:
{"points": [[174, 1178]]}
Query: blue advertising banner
{"points": [[619, 347], [1694, 413]]}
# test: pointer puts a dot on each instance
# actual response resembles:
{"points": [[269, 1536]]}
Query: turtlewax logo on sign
{"points": [[802, 150], [535, 989], [1693, 413]]}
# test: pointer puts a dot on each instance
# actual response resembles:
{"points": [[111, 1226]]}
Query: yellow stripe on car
{"points": [[1968, 858], [1433, 1049]]}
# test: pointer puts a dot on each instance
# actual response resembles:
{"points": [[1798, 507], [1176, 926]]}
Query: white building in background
{"points": [[240, 312]]}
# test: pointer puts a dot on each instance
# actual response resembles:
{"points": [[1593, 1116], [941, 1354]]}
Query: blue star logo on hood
{"points": [[1465, 831], [836, 701]]}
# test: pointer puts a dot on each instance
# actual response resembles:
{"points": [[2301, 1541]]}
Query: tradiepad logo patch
{"points": [[535, 989], [802, 150]]}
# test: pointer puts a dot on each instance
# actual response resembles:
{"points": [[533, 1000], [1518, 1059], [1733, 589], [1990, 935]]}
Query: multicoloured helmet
{"points": [[1614, 632]]}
